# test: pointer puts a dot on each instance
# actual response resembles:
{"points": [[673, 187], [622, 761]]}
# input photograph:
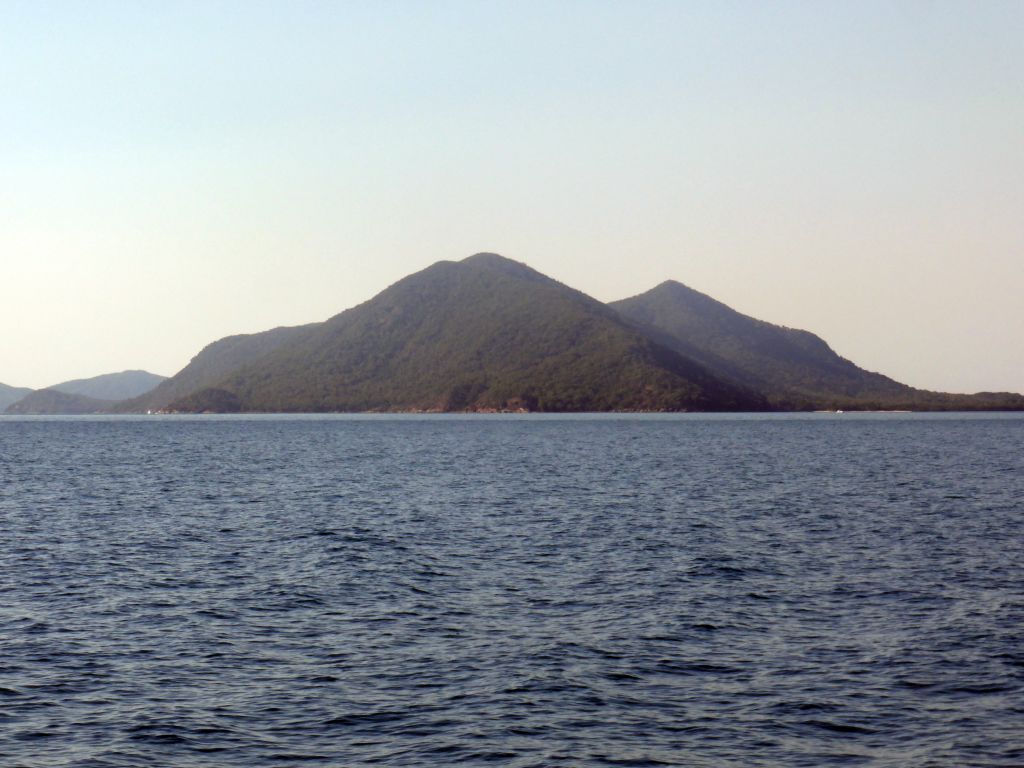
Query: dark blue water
{"points": [[696, 591]]}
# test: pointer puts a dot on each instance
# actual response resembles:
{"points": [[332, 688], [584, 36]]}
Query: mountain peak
{"points": [[497, 263], [494, 261], [487, 258], [796, 368], [676, 288]]}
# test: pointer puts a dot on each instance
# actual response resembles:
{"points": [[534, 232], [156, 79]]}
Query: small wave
{"points": [[827, 725], [364, 718]]}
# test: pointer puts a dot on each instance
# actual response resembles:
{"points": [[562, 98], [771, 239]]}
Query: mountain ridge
{"points": [[490, 333], [445, 338], [111, 386], [794, 368], [214, 361], [96, 394]]}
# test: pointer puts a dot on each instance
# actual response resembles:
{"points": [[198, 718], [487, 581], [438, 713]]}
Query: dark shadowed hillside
{"points": [[794, 368], [482, 333]]}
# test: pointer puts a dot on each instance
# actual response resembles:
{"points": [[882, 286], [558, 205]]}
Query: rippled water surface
{"points": [[523, 591]]}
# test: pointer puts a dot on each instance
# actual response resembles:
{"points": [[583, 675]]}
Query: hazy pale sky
{"points": [[171, 173]]}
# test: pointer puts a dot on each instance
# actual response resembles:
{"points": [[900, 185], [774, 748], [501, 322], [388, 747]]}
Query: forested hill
{"points": [[795, 369], [211, 365], [484, 333]]}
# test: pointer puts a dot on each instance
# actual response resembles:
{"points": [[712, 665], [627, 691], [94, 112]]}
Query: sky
{"points": [[172, 173]]}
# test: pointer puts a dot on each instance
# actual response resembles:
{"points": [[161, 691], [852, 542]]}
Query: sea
{"points": [[512, 590]]}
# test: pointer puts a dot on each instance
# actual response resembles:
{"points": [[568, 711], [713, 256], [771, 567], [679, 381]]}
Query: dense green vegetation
{"points": [[210, 400], [795, 369], [484, 333]]}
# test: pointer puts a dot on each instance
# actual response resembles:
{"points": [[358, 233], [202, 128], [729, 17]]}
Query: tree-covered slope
{"points": [[794, 368], [10, 395], [112, 386], [482, 333], [211, 365]]}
